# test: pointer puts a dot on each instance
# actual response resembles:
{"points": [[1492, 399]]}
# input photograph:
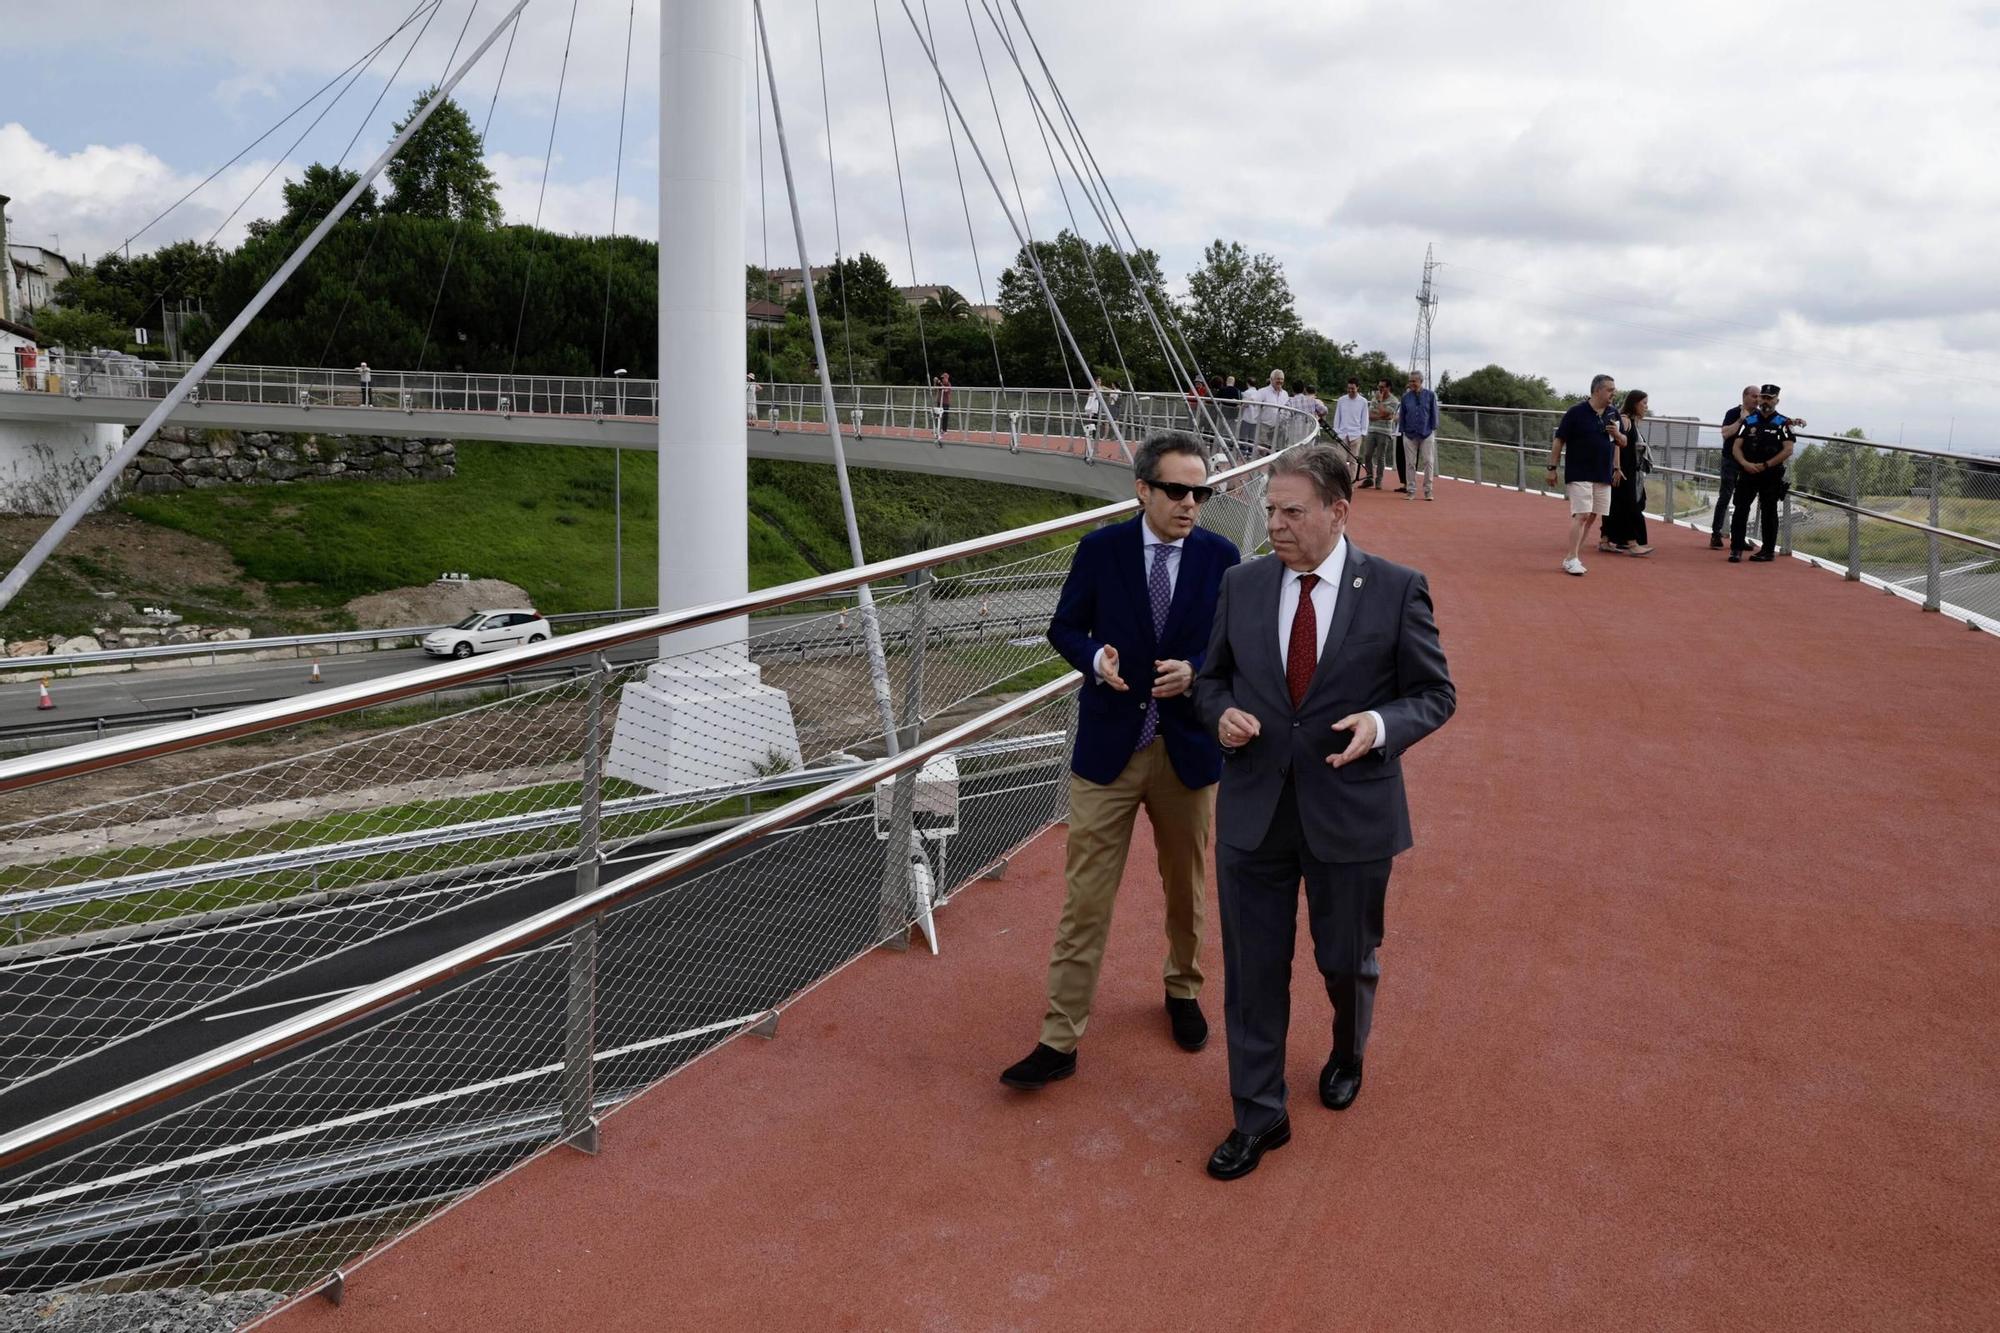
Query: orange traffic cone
{"points": [[45, 701], [314, 678]]}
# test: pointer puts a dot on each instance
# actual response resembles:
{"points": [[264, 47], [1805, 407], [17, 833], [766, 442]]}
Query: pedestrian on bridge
{"points": [[1624, 529], [1382, 409], [367, 378], [1417, 423], [944, 401], [1727, 470], [1350, 424], [1266, 407], [1585, 444], [1763, 441], [1134, 618], [1324, 668], [750, 392]]}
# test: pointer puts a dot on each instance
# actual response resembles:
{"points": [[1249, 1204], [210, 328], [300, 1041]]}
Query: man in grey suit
{"points": [[1322, 669]]}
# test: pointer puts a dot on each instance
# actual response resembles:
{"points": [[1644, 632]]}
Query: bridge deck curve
{"points": [[1687, 1022]]}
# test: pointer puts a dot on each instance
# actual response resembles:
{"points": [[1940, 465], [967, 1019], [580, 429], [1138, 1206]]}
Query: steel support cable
{"points": [[763, 204], [548, 159], [93, 491], [375, 230], [1089, 376], [1089, 260], [279, 124], [458, 226], [617, 180], [1184, 377], [978, 272], [896, 154], [1090, 159], [878, 666], [972, 141], [839, 251], [352, 80]]}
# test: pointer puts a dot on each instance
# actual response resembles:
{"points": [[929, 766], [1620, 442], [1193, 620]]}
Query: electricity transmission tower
{"points": [[1420, 345]]}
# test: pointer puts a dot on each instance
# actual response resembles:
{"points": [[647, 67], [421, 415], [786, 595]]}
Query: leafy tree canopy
{"points": [[441, 172]]}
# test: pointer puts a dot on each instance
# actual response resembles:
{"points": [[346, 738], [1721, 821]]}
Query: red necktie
{"points": [[1302, 654]]}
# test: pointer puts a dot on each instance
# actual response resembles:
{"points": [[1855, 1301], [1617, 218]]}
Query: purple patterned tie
{"points": [[1160, 593]]}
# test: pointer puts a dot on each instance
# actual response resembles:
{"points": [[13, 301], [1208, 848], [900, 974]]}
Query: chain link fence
{"points": [[316, 862]]}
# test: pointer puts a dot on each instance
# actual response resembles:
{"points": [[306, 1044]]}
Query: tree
{"points": [[1493, 386], [132, 292], [857, 289], [80, 330], [441, 172], [1088, 282], [314, 195], [948, 306], [1239, 310]]}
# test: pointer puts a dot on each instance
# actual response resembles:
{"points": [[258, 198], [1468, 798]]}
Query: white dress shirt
{"points": [[1325, 597], [1264, 400], [1148, 539], [1350, 416]]}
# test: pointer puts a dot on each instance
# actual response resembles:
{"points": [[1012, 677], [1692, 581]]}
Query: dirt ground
{"points": [[434, 603], [112, 564]]}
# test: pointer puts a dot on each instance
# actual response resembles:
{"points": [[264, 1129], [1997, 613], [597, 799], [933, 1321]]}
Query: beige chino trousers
{"points": [[1100, 836]]}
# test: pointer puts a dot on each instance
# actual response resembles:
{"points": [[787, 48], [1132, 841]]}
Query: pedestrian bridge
{"points": [[1028, 437], [1685, 1018]]}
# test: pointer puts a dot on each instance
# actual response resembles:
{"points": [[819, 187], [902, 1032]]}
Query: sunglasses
{"points": [[1178, 491]]}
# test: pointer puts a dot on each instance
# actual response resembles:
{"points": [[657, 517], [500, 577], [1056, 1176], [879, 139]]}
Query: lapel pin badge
{"points": [[1357, 580]]}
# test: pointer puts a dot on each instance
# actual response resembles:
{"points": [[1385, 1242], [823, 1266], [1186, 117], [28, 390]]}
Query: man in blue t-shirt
{"points": [[1589, 434]]}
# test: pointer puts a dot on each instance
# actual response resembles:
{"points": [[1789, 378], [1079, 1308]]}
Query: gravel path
{"points": [[170, 1310]]}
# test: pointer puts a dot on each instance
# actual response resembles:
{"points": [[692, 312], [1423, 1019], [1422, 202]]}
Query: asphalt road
{"points": [[134, 695], [736, 939]]}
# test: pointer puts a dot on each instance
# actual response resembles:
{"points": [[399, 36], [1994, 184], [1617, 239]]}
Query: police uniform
{"points": [[1762, 436]]}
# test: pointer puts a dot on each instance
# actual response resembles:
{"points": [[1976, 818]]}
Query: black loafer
{"points": [[1239, 1153], [1715, 541], [1736, 557], [1762, 558], [1340, 1084], [1044, 1065], [1190, 1027]]}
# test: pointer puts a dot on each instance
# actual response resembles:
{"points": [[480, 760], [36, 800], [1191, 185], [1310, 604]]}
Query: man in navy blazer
{"points": [[1324, 668], [1134, 619]]}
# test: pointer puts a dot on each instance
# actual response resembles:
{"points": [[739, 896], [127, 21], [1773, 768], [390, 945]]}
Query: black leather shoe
{"points": [[1190, 1028], [1736, 557], [1762, 558], [1340, 1084], [1044, 1065], [1715, 541], [1239, 1153]]}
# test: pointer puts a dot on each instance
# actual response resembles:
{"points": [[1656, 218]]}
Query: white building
{"points": [[35, 272]]}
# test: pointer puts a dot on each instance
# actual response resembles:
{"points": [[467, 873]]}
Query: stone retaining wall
{"points": [[183, 458]]}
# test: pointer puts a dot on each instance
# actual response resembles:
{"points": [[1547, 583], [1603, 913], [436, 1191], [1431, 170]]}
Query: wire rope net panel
{"points": [[274, 1178]]}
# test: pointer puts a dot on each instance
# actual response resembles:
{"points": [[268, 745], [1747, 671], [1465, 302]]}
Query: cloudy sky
{"points": [[1691, 195]]}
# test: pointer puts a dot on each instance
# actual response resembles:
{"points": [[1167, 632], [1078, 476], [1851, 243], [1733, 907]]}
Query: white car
{"points": [[488, 632]]}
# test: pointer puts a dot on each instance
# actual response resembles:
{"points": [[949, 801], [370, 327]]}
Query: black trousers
{"points": [[1763, 489], [1258, 892], [1732, 477], [1627, 520]]}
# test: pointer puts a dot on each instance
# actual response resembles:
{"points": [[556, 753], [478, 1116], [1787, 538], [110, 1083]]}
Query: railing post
{"points": [[1785, 522], [1667, 500], [1520, 453], [1478, 463], [579, 1088], [1853, 516], [900, 847], [1933, 579]]}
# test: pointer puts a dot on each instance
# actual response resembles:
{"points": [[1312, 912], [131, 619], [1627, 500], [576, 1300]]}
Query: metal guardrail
{"points": [[58, 662]]}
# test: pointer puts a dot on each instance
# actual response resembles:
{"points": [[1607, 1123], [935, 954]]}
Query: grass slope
{"points": [[541, 517]]}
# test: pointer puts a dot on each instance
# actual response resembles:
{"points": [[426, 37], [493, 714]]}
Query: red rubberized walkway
{"points": [[1688, 1021]]}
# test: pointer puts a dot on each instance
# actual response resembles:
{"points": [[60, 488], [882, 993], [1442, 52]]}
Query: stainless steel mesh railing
{"points": [[301, 857]]}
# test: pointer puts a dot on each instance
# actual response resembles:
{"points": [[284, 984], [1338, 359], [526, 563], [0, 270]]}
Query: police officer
{"points": [[1761, 440]]}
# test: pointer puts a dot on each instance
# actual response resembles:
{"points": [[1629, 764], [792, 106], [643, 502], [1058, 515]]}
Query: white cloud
{"points": [[1691, 195]]}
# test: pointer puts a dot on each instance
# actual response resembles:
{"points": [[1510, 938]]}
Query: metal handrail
{"points": [[94, 756], [1991, 461], [1832, 501], [112, 1107]]}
